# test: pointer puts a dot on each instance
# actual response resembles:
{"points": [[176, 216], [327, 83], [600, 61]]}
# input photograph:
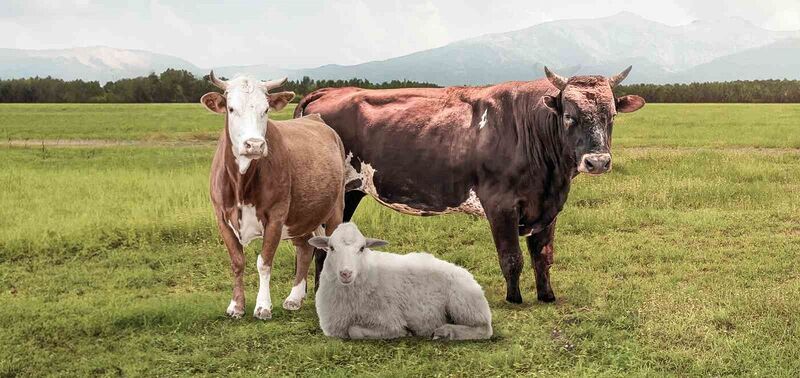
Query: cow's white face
{"points": [[347, 252], [246, 105]]}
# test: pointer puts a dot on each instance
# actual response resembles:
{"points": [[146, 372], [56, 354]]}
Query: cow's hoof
{"points": [[234, 311], [262, 313], [292, 305], [546, 297], [445, 332]]}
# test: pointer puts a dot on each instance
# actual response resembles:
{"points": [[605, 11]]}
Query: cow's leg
{"points": [[504, 222], [236, 307], [272, 236], [540, 246], [304, 253], [351, 201]]}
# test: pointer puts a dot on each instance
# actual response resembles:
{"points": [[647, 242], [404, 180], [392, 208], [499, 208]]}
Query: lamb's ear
{"points": [[320, 242], [376, 243]]}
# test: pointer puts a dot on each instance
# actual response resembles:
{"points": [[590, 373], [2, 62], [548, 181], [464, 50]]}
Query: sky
{"points": [[309, 33]]}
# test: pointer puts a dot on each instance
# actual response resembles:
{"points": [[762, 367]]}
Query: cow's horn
{"points": [[272, 84], [616, 79], [221, 84], [558, 81]]}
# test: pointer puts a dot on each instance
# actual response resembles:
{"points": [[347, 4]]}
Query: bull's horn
{"points": [[558, 81], [616, 79], [221, 84], [272, 84]]}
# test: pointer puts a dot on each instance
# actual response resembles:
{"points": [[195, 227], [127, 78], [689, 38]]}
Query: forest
{"points": [[173, 86]]}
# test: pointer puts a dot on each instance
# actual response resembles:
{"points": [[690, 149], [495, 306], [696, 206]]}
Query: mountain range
{"points": [[707, 50]]}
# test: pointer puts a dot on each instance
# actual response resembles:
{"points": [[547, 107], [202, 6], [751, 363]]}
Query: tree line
{"points": [[169, 86], [182, 86]]}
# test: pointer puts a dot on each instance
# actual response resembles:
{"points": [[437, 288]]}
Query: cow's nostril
{"points": [[607, 165]]}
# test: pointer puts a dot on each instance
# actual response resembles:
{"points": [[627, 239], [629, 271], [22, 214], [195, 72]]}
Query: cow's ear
{"points": [[214, 102], [629, 104], [551, 102], [278, 100], [375, 243], [320, 242]]}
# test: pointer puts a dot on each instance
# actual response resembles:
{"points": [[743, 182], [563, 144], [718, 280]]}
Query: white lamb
{"points": [[365, 294]]}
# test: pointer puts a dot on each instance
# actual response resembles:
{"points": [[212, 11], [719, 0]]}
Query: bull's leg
{"points": [[236, 307], [330, 225], [504, 222], [540, 246], [272, 236], [351, 201], [304, 253]]}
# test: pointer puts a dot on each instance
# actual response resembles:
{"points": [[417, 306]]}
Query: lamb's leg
{"points": [[358, 333], [272, 236], [462, 332], [305, 253]]}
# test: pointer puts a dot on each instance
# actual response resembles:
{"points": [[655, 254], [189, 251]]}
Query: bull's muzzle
{"points": [[595, 164]]}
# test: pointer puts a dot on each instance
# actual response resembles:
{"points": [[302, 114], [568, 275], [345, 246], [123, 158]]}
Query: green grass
{"points": [[682, 261], [117, 122]]}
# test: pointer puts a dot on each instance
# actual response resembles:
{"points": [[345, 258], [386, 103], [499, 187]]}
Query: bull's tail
{"points": [[309, 98]]}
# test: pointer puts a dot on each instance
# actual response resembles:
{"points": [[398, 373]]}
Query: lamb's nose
{"points": [[346, 274]]}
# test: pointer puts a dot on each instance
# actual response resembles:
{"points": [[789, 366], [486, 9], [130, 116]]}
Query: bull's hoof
{"points": [[262, 313], [514, 298], [235, 311], [546, 297], [292, 304]]}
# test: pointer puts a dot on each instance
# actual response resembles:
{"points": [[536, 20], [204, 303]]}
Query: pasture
{"points": [[684, 260]]}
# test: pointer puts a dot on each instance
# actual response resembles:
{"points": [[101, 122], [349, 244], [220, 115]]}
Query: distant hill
{"points": [[89, 63], [711, 50]]}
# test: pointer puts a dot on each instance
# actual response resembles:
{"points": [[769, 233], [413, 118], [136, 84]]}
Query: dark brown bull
{"points": [[272, 180], [507, 152]]}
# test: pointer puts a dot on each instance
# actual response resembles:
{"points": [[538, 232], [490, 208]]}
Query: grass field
{"points": [[685, 260]]}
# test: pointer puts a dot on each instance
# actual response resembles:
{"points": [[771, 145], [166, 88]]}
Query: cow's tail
{"points": [[299, 111]]}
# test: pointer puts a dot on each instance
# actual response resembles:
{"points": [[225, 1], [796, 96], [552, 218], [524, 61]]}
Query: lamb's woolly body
{"points": [[403, 295]]}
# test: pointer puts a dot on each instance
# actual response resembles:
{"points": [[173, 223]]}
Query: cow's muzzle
{"points": [[254, 148], [595, 164]]}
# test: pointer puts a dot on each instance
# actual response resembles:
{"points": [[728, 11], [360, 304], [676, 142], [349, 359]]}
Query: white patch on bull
{"points": [[483, 119], [263, 308], [296, 296]]}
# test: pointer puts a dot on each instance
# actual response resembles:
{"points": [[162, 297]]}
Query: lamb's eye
{"points": [[361, 249], [330, 249], [230, 110]]}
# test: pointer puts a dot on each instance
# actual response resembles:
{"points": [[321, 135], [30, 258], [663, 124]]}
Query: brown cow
{"points": [[271, 180], [507, 152]]}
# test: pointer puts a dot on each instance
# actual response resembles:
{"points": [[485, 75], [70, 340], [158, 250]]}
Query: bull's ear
{"points": [[629, 104], [320, 242], [550, 102], [376, 243], [278, 100], [214, 102]]}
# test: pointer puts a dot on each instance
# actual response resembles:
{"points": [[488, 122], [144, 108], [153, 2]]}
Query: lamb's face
{"points": [[347, 251]]}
